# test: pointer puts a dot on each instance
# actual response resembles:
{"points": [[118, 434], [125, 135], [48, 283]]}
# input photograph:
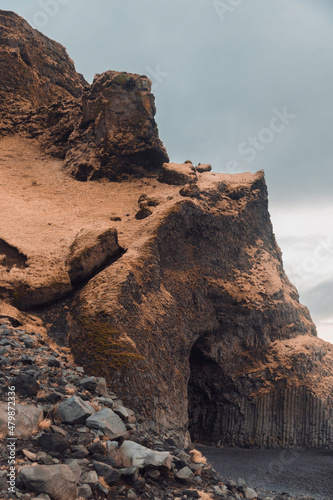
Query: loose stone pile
{"points": [[75, 439]]}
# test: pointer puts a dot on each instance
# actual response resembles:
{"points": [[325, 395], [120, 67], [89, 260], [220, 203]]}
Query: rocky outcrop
{"points": [[280, 397], [103, 130], [34, 70], [203, 302], [117, 135]]}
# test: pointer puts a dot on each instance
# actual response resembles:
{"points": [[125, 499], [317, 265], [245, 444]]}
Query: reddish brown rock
{"points": [[204, 303], [34, 69], [117, 135]]}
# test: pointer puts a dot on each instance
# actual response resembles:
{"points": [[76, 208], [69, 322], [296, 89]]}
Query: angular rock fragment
{"points": [[134, 454], [27, 418], [58, 481], [74, 410], [190, 190], [53, 442], [108, 422], [110, 475], [143, 213], [185, 474], [177, 174], [26, 385]]}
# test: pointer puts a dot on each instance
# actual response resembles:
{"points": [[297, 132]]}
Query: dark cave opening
{"points": [[213, 416]]}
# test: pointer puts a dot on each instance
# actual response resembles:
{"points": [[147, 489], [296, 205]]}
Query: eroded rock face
{"points": [[117, 135], [204, 302], [34, 69]]}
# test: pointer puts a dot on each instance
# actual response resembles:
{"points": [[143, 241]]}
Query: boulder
{"points": [[185, 474], [177, 174], [127, 415], [129, 474], [110, 475], [250, 494], [143, 213], [221, 491], [90, 477], [53, 442], [205, 167], [107, 421], [27, 418], [84, 491], [92, 249], [58, 481], [74, 410], [101, 387], [89, 383], [190, 190], [134, 454], [26, 385]]}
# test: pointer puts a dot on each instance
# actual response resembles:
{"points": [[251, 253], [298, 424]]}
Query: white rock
{"points": [[134, 454], [250, 494], [185, 474]]}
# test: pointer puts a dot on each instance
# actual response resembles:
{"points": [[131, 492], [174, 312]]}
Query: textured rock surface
{"points": [[58, 481], [74, 410], [27, 418], [134, 454], [104, 130], [34, 70], [204, 298], [118, 135], [107, 421], [91, 250], [177, 174], [76, 449]]}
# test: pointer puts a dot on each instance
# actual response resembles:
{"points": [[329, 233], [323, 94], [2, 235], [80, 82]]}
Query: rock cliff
{"points": [[34, 70], [167, 277]]}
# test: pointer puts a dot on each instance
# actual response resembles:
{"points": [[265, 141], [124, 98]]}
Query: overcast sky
{"points": [[241, 84]]}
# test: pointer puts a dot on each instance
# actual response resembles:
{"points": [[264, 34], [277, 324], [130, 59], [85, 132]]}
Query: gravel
{"points": [[297, 472]]}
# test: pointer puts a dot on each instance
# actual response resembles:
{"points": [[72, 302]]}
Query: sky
{"points": [[243, 85]]}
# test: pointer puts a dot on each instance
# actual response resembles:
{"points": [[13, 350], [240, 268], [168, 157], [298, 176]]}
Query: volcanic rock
{"points": [[90, 251], [177, 174], [108, 422], [206, 167], [195, 325], [27, 418], [58, 481], [74, 411], [117, 135], [219, 305], [34, 70], [134, 454]]}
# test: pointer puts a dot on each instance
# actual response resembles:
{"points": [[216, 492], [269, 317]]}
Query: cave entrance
{"points": [[209, 407]]}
